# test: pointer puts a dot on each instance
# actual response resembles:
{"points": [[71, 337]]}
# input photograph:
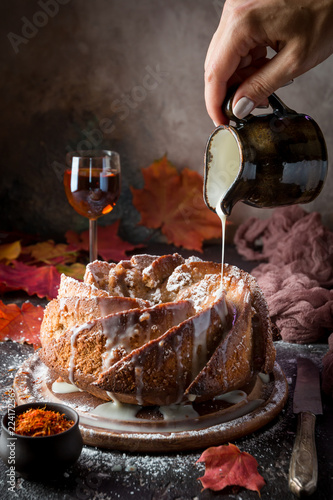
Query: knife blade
{"points": [[303, 470]]}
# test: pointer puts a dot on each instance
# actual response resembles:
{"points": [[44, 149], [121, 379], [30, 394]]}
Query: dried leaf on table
{"points": [[10, 251], [51, 253], [173, 202], [42, 281], [226, 465], [21, 325], [75, 270], [110, 245]]}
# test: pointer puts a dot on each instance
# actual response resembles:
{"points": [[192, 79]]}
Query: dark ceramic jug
{"points": [[266, 160]]}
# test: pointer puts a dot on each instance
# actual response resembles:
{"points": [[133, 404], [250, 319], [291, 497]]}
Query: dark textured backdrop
{"points": [[125, 75]]}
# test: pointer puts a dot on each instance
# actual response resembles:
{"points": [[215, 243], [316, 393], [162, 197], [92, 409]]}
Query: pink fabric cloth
{"points": [[291, 236], [301, 309], [296, 275]]}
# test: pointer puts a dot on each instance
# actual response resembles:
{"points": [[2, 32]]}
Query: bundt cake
{"points": [[158, 330]]}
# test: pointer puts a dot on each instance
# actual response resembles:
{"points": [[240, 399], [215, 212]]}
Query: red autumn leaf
{"points": [[42, 281], [174, 203], [21, 325], [226, 465], [110, 246]]}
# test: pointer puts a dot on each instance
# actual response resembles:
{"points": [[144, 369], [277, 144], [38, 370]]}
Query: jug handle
{"points": [[277, 105]]}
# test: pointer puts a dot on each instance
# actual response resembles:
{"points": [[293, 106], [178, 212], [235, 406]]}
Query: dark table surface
{"points": [[110, 474]]}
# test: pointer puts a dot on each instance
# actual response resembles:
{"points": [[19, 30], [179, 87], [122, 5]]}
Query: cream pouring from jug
{"points": [[224, 167]]}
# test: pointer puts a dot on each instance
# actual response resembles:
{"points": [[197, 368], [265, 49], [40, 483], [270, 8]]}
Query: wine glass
{"points": [[92, 186]]}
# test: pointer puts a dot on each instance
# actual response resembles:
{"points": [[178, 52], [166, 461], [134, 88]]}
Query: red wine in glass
{"points": [[92, 186]]}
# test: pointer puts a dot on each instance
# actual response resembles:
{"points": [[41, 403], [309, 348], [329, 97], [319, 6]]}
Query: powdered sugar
{"points": [[178, 281]]}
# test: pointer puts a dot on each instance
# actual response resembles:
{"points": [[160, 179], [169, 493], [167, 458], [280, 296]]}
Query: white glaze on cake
{"points": [[72, 367], [61, 387], [116, 411]]}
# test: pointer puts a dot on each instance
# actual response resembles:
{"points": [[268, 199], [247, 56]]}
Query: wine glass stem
{"points": [[92, 240]]}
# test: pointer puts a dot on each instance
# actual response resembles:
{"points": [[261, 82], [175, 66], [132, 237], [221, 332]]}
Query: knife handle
{"points": [[303, 471]]}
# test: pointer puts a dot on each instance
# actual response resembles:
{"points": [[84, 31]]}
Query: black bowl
{"points": [[43, 456]]}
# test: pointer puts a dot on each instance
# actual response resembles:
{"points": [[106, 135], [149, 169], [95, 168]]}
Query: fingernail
{"points": [[243, 107], [216, 125], [263, 106]]}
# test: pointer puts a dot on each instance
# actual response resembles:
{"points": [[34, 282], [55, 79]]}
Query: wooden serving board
{"points": [[218, 421]]}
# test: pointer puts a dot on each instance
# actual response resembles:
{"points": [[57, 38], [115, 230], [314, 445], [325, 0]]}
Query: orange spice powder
{"points": [[41, 422]]}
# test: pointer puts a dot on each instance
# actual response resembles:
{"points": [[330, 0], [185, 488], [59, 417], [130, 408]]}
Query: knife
{"points": [[303, 470]]}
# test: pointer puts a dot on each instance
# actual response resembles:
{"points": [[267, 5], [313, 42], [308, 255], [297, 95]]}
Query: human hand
{"points": [[300, 31]]}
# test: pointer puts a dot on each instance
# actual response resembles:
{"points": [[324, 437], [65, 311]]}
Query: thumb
{"points": [[262, 83]]}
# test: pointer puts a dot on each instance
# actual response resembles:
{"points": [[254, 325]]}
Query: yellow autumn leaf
{"points": [[48, 251], [10, 251], [76, 270]]}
